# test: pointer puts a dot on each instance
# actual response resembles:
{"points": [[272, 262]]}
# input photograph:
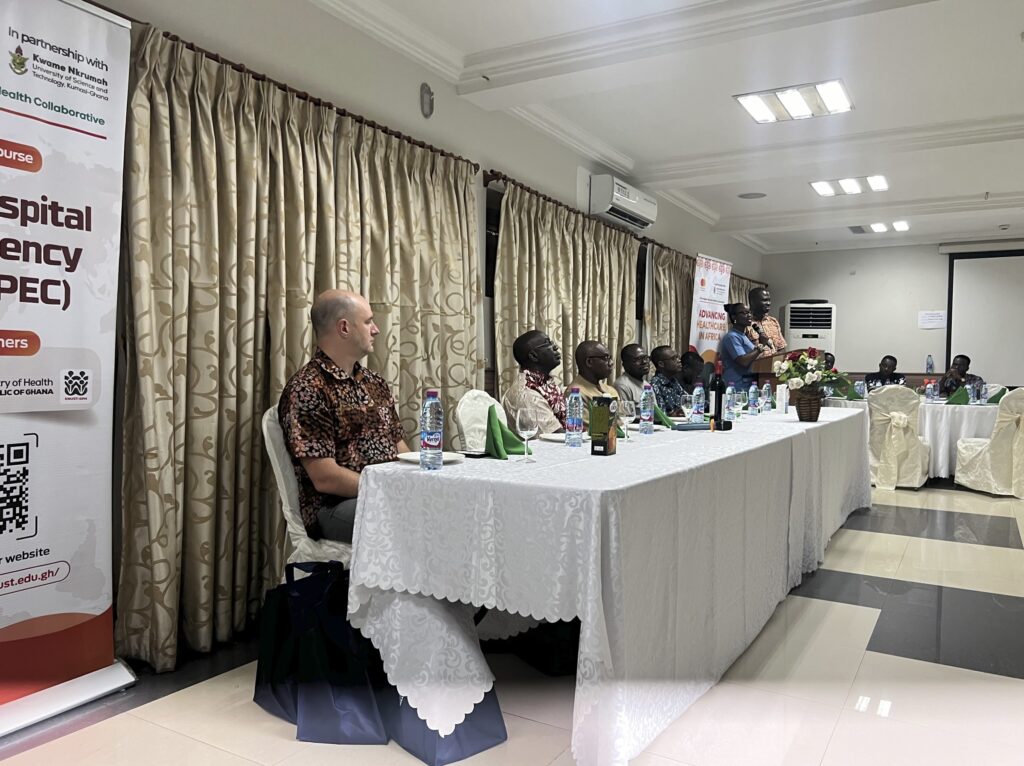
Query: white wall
{"points": [[877, 294], [297, 43]]}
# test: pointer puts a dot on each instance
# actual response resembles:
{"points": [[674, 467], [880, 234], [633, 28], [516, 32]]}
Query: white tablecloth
{"points": [[942, 425], [672, 553]]}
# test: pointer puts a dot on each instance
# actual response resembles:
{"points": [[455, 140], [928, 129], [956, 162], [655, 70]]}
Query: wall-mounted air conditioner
{"points": [[617, 201], [810, 324]]}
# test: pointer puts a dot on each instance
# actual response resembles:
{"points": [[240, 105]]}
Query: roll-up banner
{"points": [[708, 320], [63, 97]]}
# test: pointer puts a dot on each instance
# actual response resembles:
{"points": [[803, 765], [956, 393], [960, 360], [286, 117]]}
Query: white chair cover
{"points": [[996, 465], [471, 419], [898, 457], [304, 548]]}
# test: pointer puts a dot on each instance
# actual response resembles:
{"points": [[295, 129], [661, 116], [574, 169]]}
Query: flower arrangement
{"points": [[805, 371]]}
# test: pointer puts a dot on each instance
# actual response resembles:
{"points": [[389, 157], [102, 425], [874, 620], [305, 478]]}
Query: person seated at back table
{"points": [[830, 360], [737, 352], [337, 416], [635, 364], [764, 329], [886, 375], [667, 389], [593, 365], [537, 355], [691, 372], [958, 376]]}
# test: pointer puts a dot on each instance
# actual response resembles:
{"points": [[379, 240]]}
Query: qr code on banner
{"points": [[13, 487]]}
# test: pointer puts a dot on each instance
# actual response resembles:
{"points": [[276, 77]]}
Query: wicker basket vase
{"points": [[807, 403]]}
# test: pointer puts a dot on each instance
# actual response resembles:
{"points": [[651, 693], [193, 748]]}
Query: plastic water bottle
{"points": [[753, 405], [431, 432], [929, 391], [766, 398], [574, 418], [697, 413], [929, 365], [728, 404], [984, 393], [647, 410], [972, 394]]}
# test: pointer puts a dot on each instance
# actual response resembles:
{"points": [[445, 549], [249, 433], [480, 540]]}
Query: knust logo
{"points": [[76, 383], [19, 61]]}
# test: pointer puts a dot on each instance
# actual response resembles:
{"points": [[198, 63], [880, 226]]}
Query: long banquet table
{"points": [[673, 553], [942, 425]]}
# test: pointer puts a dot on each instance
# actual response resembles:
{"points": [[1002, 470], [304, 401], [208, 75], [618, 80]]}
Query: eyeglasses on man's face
{"points": [[602, 357]]}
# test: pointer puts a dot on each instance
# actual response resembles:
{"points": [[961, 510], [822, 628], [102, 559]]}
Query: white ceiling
{"points": [[645, 87]]}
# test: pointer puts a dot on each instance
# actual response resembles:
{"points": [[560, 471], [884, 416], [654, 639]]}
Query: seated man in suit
{"points": [[593, 365], [667, 389], [537, 355], [958, 376], [692, 372], [886, 375], [337, 416], [635, 365]]}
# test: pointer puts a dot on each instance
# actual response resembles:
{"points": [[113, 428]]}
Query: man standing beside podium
{"points": [[764, 329]]}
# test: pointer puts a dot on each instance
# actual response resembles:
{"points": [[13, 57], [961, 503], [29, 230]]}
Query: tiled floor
{"points": [[906, 647]]}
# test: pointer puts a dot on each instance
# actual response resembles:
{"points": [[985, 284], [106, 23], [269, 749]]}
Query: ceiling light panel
{"points": [[850, 186], [823, 188], [843, 186], [900, 226], [879, 228], [797, 102], [878, 183]]}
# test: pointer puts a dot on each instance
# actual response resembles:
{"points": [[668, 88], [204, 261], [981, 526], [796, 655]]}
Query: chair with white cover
{"points": [[996, 465], [471, 419], [304, 548], [898, 456]]}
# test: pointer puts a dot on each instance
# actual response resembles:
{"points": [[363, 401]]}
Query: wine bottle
{"points": [[716, 390]]}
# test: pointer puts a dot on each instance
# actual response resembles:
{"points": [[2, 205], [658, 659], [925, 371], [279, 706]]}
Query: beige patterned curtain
{"points": [[740, 287], [564, 273], [241, 203], [667, 314]]}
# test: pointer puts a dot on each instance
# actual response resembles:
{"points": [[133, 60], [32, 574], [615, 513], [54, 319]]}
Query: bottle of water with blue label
{"points": [[766, 398], [929, 365], [753, 404], [431, 432], [697, 413], [574, 418], [647, 402], [929, 392], [729, 403]]}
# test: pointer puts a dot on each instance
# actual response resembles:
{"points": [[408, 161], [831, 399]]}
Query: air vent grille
{"points": [[810, 317], [858, 230]]}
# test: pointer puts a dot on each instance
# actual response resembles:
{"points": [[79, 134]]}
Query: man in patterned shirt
{"points": [[764, 329], [667, 388], [537, 355], [337, 416]]}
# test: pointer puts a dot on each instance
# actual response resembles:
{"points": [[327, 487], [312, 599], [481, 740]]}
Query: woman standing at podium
{"points": [[764, 329], [736, 351]]}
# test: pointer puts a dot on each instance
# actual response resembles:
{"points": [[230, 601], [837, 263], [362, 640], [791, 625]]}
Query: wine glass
{"points": [[627, 411], [739, 401], [527, 426], [686, 406]]}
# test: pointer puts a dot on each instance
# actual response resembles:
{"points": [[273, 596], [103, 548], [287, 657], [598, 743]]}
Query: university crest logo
{"points": [[19, 61]]}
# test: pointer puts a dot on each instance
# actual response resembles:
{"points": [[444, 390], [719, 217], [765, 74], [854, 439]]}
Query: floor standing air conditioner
{"points": [[810, 324]]}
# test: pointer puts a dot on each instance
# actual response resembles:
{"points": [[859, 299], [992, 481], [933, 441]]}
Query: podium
{"points": [[762, 368]]}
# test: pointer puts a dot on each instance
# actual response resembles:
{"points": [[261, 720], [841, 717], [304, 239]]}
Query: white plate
{"points": [[414, 457], [636, 427], [559, 438]]}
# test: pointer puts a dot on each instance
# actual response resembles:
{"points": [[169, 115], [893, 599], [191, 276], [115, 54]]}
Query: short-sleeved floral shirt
{"points": [[325, 412]]}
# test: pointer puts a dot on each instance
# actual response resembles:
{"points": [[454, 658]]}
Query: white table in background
{"points": [[942, 425], [673, 554]]}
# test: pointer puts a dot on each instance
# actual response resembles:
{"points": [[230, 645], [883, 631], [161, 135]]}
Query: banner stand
{"points": [[708, 320], [63, 697]]}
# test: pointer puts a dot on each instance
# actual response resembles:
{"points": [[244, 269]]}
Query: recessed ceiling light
{"points": [[797, 102], [850, 185], [879, 228], [752, 195], [824, 188], [1004, 226], [900, 226], [878, 183], [756, 108], [834, 95]]}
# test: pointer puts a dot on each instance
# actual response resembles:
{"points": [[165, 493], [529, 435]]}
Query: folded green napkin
{"points": [[960, 396], [661, 419], [852, 395], [997, 397], [501, 442]]}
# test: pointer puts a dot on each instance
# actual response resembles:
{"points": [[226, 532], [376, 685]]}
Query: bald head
{"points": [[331, 306], [593, 361]]}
